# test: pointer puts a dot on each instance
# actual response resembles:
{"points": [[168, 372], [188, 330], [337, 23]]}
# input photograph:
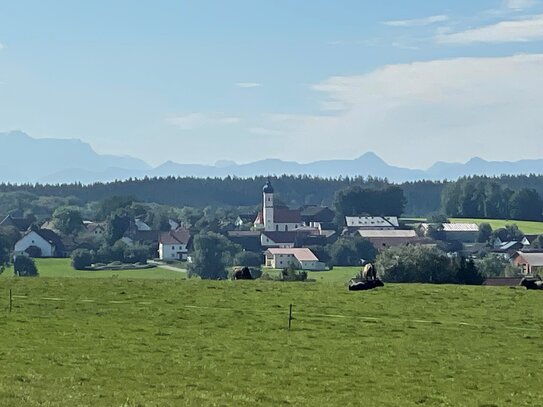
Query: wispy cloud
{"points": [[417, 22], [193, 121], [519, 4], [445, 108], [1, 46], [523, 30], [262, 131], [248, 84]]}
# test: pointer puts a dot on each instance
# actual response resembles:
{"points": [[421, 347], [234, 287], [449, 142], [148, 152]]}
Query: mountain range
{"points": [[28, 160]]}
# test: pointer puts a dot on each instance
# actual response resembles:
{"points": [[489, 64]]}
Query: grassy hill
{"points": [[526, 226], [134, 342]]}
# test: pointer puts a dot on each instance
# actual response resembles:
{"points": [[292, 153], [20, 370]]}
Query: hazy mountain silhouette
{"points": [[69, 160]]}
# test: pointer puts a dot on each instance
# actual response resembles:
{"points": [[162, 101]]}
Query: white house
{"points": [[300, 258], [40, 243], [172, 245]]}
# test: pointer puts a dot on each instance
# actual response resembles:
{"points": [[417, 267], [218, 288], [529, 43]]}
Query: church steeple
{"points": [[267, 206]]}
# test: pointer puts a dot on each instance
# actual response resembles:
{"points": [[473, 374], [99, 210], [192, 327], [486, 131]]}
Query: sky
{"points": [[199, 81]]}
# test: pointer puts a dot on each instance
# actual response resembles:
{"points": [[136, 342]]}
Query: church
{"points": [[276, 218]]}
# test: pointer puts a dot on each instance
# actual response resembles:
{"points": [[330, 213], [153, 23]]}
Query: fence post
{"points": [[289, 316], [10, 300]]}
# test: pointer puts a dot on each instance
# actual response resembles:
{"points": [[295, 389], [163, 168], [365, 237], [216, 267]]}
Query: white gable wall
{"points": [[172, 251], [33, 239]]}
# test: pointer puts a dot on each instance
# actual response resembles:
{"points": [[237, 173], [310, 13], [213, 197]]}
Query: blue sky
{"points": [[200, 81]]}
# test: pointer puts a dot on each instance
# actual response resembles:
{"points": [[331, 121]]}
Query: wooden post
{"points": [[10, 300], [289, 316]]}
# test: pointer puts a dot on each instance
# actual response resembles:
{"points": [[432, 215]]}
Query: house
{"points": [[312, 214], [141, 225], [278, 239], [372, 222], [462, 232], [249, 240], [276, 218], [40, 243], [508, 248], [173, 245], [300, 258], [141, 236], [94, 228], [244, 219], [388, 238], [21, 224], [528, 240], [530, 262]]}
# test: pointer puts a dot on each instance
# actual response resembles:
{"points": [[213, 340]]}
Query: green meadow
{"points": [[63, 268], [527, 227], [167, 342]]}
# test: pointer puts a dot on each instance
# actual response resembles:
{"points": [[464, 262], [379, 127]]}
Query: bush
{"points": [[291, 274], [248, 259], [415, 264], [81, 259], [24, 266], [136, 254], [492, 265], [468, 274]]}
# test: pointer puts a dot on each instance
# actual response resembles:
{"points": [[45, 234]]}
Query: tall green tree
{"points": [[68, 220], [526, 204], [212, 254]]}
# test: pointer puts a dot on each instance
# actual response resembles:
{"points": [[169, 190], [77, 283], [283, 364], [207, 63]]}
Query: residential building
{"points": [[40, 243], [531, 262], [173, 245], [300, 258]]}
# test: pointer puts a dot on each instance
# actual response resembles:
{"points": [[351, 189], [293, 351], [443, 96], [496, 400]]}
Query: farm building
{"points": [[372, 222], [388, 238], [462, 232], [40, 243], [173, 245], [531, 263], [300, 258]]}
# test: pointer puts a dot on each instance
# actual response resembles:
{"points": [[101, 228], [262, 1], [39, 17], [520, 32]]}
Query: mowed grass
{"points": [[63, 268], [133, 342], [526, 226]]}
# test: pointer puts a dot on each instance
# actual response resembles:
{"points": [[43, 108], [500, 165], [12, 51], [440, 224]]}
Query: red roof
{"points": [[180, 236], [285, 215]]}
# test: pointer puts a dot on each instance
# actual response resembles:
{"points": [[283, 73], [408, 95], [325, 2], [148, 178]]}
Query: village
{"points": [[283, 237]]}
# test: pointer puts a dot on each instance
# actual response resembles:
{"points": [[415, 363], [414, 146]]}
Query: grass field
{"points": [[133, 342], [62, 268], [526, 226]]}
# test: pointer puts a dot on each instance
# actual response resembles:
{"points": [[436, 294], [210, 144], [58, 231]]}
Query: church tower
{"points": [[267, 207]]}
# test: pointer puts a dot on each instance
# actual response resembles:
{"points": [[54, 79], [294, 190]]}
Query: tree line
{"points": [[478, 196]]}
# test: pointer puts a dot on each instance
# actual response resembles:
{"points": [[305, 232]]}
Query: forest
{"points": [[506, 197]]}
